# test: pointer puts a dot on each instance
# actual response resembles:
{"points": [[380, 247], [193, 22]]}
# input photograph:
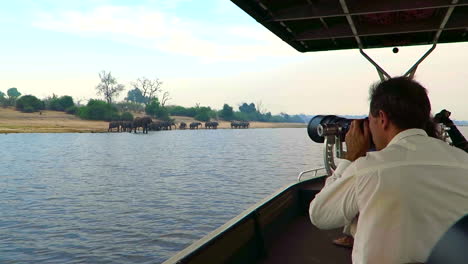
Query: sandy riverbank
{"points": [[12, 121]]}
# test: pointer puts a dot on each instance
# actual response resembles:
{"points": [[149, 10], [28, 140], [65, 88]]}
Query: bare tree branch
{"points": [[108, 86], [149, 88], [142, 85], [165, 98], [260, 108], [154, 88]]}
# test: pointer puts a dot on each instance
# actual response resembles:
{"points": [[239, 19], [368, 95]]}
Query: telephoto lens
{"points": [[323, 120]]}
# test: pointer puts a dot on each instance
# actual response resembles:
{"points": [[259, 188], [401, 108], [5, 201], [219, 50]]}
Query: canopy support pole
{"points": [[410, 73], [382, 73]]}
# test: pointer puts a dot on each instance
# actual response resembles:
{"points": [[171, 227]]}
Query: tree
{"points": [[149, 88], [227, 113], [66, 101], [13, 93], [3, 100], [247, 108], [59, 103], [129, 106], [155, 109], [108, 86], [165, 98], [29, 104], [135, 96], [203, 114], [260, 109]]}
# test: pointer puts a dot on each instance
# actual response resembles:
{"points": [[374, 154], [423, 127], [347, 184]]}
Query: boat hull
{"points": [[276, 230]]}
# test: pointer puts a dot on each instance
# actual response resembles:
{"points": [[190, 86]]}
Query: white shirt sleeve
{"points": [[338, 172], [336, 204]]}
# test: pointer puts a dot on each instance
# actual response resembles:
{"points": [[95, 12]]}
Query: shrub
{"points": [[29, 103], [71, 110], [98, 110], [29, 109], [59, 103], [126, 116], [241, 116], [202, 116]]}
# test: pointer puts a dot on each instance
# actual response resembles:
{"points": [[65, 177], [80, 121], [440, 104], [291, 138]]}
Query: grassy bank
{"points": [[12, 121]]}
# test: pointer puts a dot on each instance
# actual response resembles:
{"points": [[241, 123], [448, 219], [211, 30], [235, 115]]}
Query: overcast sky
{"points": [[205, 51]]}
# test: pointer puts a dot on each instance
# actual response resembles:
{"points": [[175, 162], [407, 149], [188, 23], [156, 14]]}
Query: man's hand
{"points": [[357, 139]]}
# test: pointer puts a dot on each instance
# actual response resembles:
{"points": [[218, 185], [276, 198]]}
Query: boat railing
{"points": [[315, 171]]}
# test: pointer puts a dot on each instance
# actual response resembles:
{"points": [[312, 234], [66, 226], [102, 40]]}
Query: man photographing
{"points": [[407, 193], [458, 140]]}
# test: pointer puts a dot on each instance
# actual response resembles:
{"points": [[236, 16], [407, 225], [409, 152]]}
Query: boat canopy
{"points": [[320, 25]]}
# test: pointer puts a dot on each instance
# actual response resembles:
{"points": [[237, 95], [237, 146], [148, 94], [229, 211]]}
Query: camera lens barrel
{"points": [[321, 125]]}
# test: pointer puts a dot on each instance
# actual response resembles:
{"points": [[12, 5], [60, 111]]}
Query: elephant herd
{"points": [[146, 123], [241, 124]]}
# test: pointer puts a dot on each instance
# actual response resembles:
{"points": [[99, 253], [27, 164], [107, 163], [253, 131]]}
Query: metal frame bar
{"points": [[351, 23], [380, 70], [306, 11], [411, 72], [265, 8], [315, 171], [382, 73]]}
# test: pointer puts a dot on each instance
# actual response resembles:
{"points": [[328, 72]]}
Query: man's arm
{"points": [[336, 204]]}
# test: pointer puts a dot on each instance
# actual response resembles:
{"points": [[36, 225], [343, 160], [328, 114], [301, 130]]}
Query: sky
{"points": [[206, 52]]}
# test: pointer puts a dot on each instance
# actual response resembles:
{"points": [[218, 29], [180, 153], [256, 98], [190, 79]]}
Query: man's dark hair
{"points": [[404, 100]]}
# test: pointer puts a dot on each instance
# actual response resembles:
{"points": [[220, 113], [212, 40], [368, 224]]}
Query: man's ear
{"points": [[383, 119]]}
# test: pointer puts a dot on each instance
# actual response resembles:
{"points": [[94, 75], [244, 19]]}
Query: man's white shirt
{"points": [[407, 195]]}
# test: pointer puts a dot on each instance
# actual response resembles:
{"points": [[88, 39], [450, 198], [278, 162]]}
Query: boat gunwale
{"points": [[234, 222]]}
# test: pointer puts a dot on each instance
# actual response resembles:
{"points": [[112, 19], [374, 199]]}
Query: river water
{"points": [[135, 198]]}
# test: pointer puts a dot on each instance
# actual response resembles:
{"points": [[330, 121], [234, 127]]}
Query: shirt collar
{"points": [[407, 133]]}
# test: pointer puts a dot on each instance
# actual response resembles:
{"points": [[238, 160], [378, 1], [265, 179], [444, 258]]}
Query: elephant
{"points": [[155, 126], [114, 124], [235, 124], [241, 124], [142, 122], [194, 125], [126, 126], [182, 125], [213, 125], [167, 125]]}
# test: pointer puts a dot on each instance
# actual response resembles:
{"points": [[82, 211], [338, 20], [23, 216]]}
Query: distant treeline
{"points": [[102, 110], [246, 112]]}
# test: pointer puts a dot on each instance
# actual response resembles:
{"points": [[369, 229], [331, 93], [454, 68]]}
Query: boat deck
{"points": [[301, 242], [276, 231]]}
